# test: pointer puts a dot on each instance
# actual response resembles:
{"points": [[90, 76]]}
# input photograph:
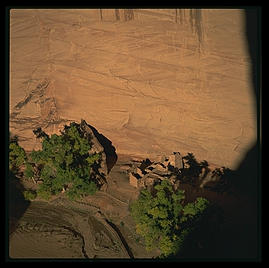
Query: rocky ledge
{"points": [[177, 169]]}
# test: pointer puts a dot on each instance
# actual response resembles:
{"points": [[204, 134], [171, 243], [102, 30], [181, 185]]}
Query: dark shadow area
{"points": [[248, 172], [192, 173], [225, 232], [235, 233], [17, 204], [110, 150], [202, 241], [247, 177], [145, 164]]}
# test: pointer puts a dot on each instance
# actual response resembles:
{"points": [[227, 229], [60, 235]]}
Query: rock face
{"points": [[152, 81], [100, 144], [96, 146]]}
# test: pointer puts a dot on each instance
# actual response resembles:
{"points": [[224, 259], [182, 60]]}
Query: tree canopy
{"points": [[17, 155], [64, 163], [163, 219]]}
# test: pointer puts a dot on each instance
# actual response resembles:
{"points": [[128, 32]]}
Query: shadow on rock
{"points": [[240, 236], [110, 150], [17, 204]]}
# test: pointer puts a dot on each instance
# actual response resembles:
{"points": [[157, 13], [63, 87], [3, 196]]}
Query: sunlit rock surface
{"points": [[151, 81]]}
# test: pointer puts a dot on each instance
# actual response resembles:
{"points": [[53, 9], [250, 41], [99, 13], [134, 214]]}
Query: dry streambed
{"points": [[64, 229]]}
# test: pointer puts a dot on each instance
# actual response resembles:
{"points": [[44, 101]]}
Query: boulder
{"points": [[96, 146], [101, 144]]}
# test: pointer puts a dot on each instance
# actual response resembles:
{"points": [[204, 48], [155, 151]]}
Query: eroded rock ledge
{"points": [[177, 169]]}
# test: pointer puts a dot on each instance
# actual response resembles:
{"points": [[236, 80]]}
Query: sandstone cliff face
{"points": [[151, 81]]}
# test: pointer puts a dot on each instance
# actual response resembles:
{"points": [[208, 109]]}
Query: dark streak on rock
{"points": [[121, 238], [117, 14], [198, 24], [75, 233], [128, 14], [101, 14], [195, 21], [39, 90], [24, 102], [191, 19]]}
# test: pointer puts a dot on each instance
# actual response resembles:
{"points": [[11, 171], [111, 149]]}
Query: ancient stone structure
{"points": [[150, 173], [176, 160], [134, 179], [176, 169]]}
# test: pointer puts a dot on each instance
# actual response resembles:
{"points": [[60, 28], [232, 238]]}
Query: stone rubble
{"points": [[150, 173], [146, 174]]}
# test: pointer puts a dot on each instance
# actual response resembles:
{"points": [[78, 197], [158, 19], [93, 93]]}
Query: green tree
{"points": [[162, 218], [29, 195], [17, 155], [64, 162], [29, 173]]}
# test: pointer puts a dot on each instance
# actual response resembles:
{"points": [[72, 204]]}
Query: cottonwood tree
{"points": [[64, 163], [17, 155], [163, 219]]}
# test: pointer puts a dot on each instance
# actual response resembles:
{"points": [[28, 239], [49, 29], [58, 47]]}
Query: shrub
{"points": [[162, 218], [29, 194], [43, 193]]}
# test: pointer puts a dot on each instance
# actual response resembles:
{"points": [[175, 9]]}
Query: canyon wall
{"points": [[152, 81]]}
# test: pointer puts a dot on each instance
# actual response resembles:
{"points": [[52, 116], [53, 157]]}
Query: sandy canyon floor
{"points": [[101, 227], [98, 226]]}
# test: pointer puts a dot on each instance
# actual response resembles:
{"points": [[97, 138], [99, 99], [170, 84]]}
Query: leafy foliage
{"points": [[64, 163], [162, 218], [17, 155], [29, 173], [29, 195]]}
